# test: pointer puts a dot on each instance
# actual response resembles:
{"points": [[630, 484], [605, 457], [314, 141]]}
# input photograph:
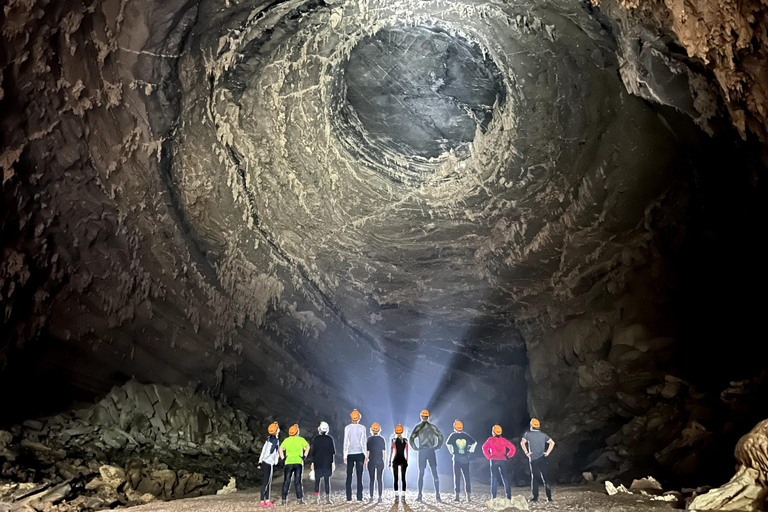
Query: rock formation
{"points": [[748, 489], [137, 444]]}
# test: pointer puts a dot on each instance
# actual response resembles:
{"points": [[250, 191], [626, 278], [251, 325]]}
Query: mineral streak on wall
{"points": [[490, 209]]}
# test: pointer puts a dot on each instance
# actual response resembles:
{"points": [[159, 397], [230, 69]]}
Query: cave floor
{"points": [[570, 497]]}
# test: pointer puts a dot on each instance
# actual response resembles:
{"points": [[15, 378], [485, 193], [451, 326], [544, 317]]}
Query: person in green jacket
{"points": [[293, 450]]}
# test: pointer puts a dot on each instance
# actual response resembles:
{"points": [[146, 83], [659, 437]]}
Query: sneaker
{"points": [[534, 500], [270, 504], [317, 499], [285, 502], [328, 500], [301, 502], [381, 500], [419, 498], [469, 498], [263, 504], [438, 499], [456, 498], [370, 500]]}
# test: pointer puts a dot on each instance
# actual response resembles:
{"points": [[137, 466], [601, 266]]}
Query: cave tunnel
{"points": [[216, 214]]}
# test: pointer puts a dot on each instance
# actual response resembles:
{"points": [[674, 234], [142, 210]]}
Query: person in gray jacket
{"points": [[537, 446], [426, 439]]}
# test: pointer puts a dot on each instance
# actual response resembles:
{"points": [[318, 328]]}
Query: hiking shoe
{"points": [[301, 502], [381, 500], [419, 499], [438, 499], [469, 498], [328, 500], [456, 498], [285, 502]]}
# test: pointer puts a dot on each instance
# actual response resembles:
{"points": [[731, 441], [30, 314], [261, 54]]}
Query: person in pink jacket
{"points": [[499, 450]]}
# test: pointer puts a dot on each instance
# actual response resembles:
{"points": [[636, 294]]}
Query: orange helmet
{"points": [[294, 430], [535, 423], [355, 415], [458, 426], [425, 414], [399, 429], [273, 429], [375, 428], [497, 430]]}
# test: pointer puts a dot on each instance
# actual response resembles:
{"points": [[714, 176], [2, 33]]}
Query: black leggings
{"points": [[295, 471], [460, 469], [266, 480], [402, 466], [376, 474], [325, 477]]}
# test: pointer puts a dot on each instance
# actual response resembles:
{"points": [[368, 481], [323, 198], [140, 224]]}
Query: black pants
{"points": [[400, 466], [355, 463], [376, 475], [499, 472], [459, 469], [266, 480], [325, 476], [294, 471], [427, 456], [540, 474]]}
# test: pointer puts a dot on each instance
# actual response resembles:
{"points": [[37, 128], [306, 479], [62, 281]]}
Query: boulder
{"points": [[230, 488], [748, 489], [647, 484], [112, 476], [613, 490]]}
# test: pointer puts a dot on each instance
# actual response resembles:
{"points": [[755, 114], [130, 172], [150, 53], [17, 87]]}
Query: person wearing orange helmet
{"points": [[270, 455], [377, 452], [398, 459], [294, 450], [537, 446], [461, 445], [426, 439], [355, 438], [499, 450]]}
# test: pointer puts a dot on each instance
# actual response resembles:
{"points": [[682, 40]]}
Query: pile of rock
{"points": [[139, 443]]}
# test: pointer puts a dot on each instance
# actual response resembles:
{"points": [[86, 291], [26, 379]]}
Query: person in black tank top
{"points": [[398, 459]]}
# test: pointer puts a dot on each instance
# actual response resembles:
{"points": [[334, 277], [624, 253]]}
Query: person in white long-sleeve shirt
{"points": [[355, 439]]}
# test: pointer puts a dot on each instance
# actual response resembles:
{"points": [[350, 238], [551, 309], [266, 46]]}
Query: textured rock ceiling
{"points": [[488, 208]]}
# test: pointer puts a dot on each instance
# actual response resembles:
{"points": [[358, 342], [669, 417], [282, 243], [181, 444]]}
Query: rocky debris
{"points": [[612, 490], [647, 484], [229, 488], [748, 489], [499, 504], [138, 444]]}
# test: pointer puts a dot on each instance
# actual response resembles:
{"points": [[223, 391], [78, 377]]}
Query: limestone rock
{"points": [[229, 488], [748, 489]]}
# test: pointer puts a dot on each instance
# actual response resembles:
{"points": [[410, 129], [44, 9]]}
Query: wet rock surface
{"points": [[138, 444]]}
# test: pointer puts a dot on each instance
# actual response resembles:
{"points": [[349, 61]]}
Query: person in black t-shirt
{"points": [[398, 459], [322, 451], [377, 451], [461, 445]]}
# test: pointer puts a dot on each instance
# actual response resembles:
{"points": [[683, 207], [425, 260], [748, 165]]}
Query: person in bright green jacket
{"points": [[293, 450]]}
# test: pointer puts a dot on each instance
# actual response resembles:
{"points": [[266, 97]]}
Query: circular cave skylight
{"points": [[416, 93]]}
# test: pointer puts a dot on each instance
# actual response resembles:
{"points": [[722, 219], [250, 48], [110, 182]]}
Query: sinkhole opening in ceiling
{"points": [[417, 92]]}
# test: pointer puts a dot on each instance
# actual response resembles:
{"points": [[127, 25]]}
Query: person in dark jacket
{"points": [[398, 459], [461, 444], [377, 452], [321, 452], [426, 439], [499, 450]]}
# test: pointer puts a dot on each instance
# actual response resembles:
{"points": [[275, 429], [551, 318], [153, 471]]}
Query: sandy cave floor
{"points": [[566, 498]]}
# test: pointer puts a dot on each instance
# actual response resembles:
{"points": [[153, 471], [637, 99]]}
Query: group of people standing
{"points": [[360, 450]]}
